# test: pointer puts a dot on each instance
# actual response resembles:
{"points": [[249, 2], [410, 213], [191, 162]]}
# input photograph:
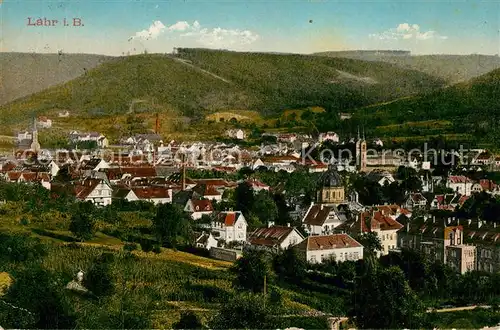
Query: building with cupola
{"points": [[330, 188], [324, 215]]}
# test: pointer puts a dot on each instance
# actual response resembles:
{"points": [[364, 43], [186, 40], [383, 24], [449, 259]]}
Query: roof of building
{"points": [[228, 218], [330, 178], [328, 242], [151, 192], [318, 214], [270, 236], [202, 205]]}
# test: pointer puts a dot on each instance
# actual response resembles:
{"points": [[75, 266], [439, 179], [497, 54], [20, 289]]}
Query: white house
{"points": [[206, 241], [329, 136], [275, 237], [415, 201], [24, 135], [63, 114], [97, 191], [321, 219], [340, 247], [230, 226], [378, 142], [101, 140], [460, 184], [44, 122], [238, 134], [199, 208]]}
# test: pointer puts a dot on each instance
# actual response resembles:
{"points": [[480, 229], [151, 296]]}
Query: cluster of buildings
{"points": [[152, 171]]}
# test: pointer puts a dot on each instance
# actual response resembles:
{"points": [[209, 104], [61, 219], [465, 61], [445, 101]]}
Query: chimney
{"points": [[408, 227], [469, 221], [270, 224], [433, 219], [288, 224], [494, 224], [479, 224]]}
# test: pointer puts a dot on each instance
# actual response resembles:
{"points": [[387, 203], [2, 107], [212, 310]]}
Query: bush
{"points": [[130, 247], [156, 248], [147, 245]]}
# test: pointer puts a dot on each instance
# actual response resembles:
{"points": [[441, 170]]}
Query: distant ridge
{"points": [[197, 82], [452, 68], [27, 73], [375, 52]]}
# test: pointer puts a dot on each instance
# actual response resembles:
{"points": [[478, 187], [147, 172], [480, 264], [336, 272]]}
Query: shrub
{"points": [[147, 245], [156, 248], [130, 247]]}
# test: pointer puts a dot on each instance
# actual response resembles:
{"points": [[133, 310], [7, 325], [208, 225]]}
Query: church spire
{"points": [[363, 132], [358, 133]]}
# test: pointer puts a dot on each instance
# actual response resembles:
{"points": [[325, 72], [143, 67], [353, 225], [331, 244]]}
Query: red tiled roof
{"points": [[151, 192], [257, 184], [202, 205], [458, 179], [84, 188], [228, 218], [212, 182], [270, 236], [8, 167], [336, 241], [487, 184], [14, 176]]}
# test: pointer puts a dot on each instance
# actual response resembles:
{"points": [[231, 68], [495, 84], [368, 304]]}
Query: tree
{"points": [[290, 265], [172, 225], [188, 320], [371, 245], [99, 279], [264, 207], [36, 300], [83, 221], [252, 269], [245, 311], [244, 198], [389, 291]]}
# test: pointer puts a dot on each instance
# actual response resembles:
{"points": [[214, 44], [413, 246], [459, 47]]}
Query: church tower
{"points": [[361, 152], [330, 189], [35, 145]]}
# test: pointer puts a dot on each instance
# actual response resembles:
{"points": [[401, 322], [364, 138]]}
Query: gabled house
{"points": [[230, 226], [460, 184], [328, 136], [206, 241], [381, 177], [44, 122], [208, 192], [238, 134], [275, 238], [125, 194], [97, 191], [340, 247], [322, 219], [198, 208], [415, 201], [445, 202], [155, 195], [257, 186]]}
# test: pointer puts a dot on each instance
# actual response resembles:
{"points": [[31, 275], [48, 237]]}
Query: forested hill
{"points": [[197, 81]]}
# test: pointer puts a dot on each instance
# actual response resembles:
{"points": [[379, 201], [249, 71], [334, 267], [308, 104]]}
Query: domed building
{"points": [[330, 188]]}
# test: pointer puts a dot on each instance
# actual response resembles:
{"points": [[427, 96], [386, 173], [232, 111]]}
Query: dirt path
{"points": [[199, 69]]}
